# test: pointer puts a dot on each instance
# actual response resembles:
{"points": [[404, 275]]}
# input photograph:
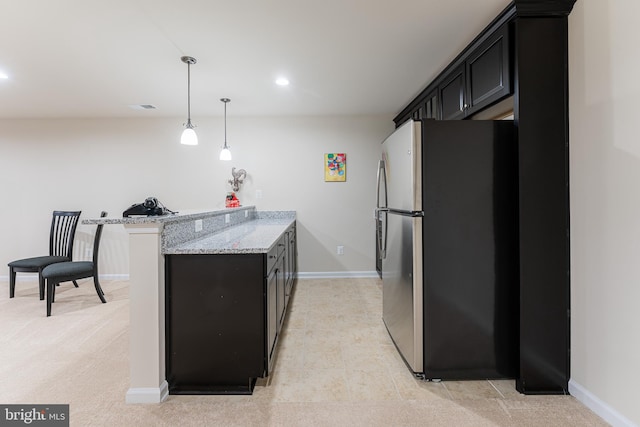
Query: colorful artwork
{"points": [[335, 167]]}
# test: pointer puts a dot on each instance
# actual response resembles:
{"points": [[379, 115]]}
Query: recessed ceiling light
{"points": [[281, 81], [3, 75]]}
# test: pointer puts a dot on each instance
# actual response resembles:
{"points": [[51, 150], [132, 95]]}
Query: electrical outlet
{"points": [[87, 253], [198, 225], [227, 218], [340, 250], [258, 194], [246, 214]]}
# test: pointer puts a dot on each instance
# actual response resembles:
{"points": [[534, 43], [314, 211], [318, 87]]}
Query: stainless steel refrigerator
{"points": [[447, 236]]}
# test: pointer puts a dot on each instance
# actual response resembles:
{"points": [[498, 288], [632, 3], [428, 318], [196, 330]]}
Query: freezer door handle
{"points": [[382, 180]]}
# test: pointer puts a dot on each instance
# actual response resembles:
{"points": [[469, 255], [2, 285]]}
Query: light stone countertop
{"points": [[256, 236], [164, 219], [225, 231]]}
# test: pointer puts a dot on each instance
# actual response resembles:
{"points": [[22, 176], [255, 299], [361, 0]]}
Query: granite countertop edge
{"points": [[251, 233], [163, 219], [252, 237]]}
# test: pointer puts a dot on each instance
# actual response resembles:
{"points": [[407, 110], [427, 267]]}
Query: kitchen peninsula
{"points": [[206, 286]]}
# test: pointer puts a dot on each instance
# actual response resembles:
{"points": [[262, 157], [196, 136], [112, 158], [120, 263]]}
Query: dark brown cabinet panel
{"points": [[290, 262], [281, 301], [488, 72], [272, 315], [215, 323], [452, 95], [431, 106]]}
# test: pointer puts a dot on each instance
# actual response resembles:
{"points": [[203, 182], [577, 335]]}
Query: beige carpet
{"points": [[336, 367]]}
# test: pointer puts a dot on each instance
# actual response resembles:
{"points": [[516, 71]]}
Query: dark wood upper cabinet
{"points": [[431, 107], [488, 72], [452, 95], [480, 81], [478, 78], [428, 107]]}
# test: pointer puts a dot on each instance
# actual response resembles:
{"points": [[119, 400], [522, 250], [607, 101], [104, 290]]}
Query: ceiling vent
{"points": [[143, 107]]}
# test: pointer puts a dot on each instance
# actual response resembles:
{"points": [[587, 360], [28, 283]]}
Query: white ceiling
{"points": [[94, 58]]}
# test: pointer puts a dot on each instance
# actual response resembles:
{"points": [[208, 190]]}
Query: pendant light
{"points": [[225, 154], [189, 136]]}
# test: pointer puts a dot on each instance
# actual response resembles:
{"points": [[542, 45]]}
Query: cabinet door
{"points": [[293, 258], [488, 72], [431, 107], [452, 95], [287, 261], [272, 313], [418, 114], [215, 322], [280, 306]]}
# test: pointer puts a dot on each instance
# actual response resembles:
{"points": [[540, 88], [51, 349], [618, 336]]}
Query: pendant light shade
{"points": [[189, 136], [225, 154]]}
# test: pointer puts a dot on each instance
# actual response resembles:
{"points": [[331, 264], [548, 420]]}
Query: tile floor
{"points": [[335, 348], [336, 366]]}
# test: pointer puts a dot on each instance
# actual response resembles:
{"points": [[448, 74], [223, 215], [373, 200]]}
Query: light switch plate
{"points": [[198, 225], [227, 218]]}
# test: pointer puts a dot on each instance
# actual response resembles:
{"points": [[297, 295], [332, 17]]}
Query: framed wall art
{"points": [[335, 167]]}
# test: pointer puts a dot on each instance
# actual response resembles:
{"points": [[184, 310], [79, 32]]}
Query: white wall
{"points": [[605, 204], [109, 164]]}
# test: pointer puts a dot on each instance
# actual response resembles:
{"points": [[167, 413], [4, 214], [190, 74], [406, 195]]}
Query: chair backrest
{"points": [[63, 232], [96, 244]]}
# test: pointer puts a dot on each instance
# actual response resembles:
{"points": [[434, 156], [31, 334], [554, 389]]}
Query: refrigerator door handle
{"points": [[381, 234], [382, 175], [381, 211]]}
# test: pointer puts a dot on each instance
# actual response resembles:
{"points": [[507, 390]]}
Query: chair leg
{"points": [[12, 282], [50, 290], [41, 284], [99, 289], [75, 283]]}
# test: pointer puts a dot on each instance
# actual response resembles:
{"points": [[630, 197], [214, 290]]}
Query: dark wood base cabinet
{"points": [[224, 313]]}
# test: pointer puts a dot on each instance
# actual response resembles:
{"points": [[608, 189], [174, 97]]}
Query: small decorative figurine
{"points": [[231, 201], [238, 178]]}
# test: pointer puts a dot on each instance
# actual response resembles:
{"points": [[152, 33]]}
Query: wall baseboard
{"points": [[602, 409], [148, 394], [33, 277], [22, 277], [337, 275]]}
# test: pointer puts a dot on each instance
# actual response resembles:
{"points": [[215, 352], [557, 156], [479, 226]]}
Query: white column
{"points": [[147, 317]]}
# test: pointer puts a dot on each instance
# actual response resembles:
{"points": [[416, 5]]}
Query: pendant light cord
{"points": [[189, 92], [225, 101]]}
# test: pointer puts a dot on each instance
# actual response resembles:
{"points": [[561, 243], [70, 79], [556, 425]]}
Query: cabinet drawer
{"points": [[272, 257], [275, 252]]}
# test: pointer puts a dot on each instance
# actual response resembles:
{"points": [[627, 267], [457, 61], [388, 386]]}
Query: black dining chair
{"points": [[70, 271], [61, 237]]}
